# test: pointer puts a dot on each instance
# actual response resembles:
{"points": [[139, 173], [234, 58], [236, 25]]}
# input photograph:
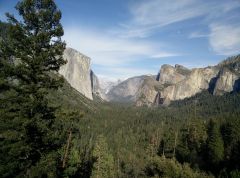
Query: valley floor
{"points": [[196, 137]]}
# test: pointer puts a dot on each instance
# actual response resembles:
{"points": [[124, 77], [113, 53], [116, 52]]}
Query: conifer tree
{"points": [[104, 163], [29, 58], [215, 144], [167, 144]]}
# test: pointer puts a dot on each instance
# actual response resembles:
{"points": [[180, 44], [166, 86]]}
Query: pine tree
{"points": [[151, 149], [103, 166], [167, 144], [215, 144], [30, 57]]}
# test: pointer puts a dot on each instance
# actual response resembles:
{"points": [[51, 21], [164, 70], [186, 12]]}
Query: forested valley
{"points": [[48, 129]]}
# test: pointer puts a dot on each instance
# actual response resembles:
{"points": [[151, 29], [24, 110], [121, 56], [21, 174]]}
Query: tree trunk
{"points": [[67, 148], [175, 144]]}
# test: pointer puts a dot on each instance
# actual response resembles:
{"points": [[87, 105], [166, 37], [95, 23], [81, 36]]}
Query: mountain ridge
{"points": [[178, 82], [170, 84]]}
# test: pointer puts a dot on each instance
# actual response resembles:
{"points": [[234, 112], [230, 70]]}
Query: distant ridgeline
{"points": [[177, 83], [172, 83]]}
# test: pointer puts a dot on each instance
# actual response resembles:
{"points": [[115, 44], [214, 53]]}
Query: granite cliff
{"points": [[177, 82], [125, 91], [170, 84], [77, 71], [95, 85]]}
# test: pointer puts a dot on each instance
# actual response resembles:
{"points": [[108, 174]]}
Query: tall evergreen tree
{"points": [[167, 144], [104, 163], [30, 58], [215, 144]]}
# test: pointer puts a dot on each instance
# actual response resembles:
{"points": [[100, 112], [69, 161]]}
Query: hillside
{"points": [[69, 98], [129, 130]]}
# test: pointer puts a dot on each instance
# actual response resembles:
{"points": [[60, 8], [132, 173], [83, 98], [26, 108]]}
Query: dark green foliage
{"points": [[192, 142], [162, 167], [30, 54], [215, 144], [103, 165], [3, 30], [166, 147], [231, 136], [131, 133], [235, 174], [134, 134]]}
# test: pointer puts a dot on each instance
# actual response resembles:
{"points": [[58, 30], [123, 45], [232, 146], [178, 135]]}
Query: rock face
{"points": [[77, 71], [171, 75], [147, 91], [217, 79], [177, 82], [96, 88], [228, 81], [140, 90], [126, 91], [195, 82], [172, 82]]}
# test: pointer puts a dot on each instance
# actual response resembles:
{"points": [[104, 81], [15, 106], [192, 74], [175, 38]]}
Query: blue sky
{"points": [[126, 38]]}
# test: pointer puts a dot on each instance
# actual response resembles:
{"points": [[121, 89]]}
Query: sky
{"points": [[126, 38]]}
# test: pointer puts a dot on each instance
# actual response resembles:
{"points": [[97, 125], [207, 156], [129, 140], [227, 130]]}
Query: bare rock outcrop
{"points": [[96, 88], [177, 83], [147, 91], [171, 75], [77, 71], [126, 91], [228, 81], [197, 81]]}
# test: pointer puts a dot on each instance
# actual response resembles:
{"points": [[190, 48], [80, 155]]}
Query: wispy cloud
{"points": [[164, 55], [107, 50], [114, 56], [115, 51], [225, 38], [126, 72], [150, 15], [160, 12], [198, 34]]}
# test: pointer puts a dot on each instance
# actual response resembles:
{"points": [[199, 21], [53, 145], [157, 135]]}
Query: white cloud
{"points": [[225, 39]]}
